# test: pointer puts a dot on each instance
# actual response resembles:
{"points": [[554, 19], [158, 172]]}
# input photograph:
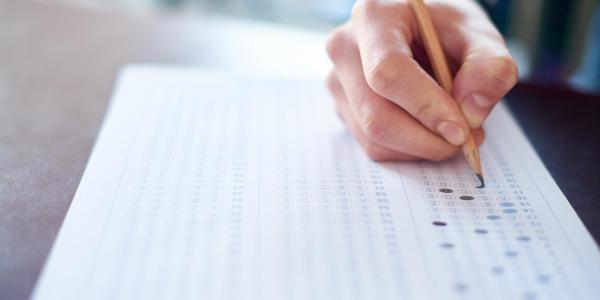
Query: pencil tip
{"points": [[480, 180]]}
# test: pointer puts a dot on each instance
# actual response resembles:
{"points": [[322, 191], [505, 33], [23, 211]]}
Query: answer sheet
{"points": [[216, 186]]}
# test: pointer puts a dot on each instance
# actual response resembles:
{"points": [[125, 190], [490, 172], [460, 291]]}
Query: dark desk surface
{"points": [[564, 128], [58, 65]]}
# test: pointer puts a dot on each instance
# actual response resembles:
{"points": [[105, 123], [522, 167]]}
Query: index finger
{"points": [[384, 33], [487, 71]]}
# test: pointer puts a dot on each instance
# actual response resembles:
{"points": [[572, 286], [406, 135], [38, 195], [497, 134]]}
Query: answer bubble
{"points": [[447, 245], [543, 278], [466, 198], [481, 231], [510, 253], [506, 204], [523, 238], [461, 287], [530, 296], [494, 217], [509, 211], [447, 191], [439, 223]]}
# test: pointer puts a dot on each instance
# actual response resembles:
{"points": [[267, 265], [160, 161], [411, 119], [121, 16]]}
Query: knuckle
{"points": [[426, 112], [357, 8], [365, 7], [503, 72], [382, 71], [336, 43], [375, 129]]}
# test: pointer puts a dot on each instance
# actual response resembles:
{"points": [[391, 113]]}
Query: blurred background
{"points": [[555, 42]]}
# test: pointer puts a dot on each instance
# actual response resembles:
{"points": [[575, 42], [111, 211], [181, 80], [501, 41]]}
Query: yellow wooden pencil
{"points": [[443, 76]]}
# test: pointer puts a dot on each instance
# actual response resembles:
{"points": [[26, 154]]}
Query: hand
{"points": [[383, 90]]}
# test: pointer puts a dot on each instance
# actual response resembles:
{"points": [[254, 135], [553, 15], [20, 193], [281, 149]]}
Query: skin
{"points": [[382, 85]]}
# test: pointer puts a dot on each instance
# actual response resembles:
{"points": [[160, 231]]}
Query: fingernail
{"points": [[482, 101], [452, 132], [475, 108]]}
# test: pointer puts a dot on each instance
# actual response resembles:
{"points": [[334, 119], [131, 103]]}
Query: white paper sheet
{"points": [[213, 186]]}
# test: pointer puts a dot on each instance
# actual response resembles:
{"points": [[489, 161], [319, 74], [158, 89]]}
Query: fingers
{"points": [[384, 33], [380, 120], [479, 135], [477, 98], [374, 151], [487, 70]]}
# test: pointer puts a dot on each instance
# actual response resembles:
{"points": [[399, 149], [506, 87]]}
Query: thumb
{"points": [[483, 79], [486, 69]]}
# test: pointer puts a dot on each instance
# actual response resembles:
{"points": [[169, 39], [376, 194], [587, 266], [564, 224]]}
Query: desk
{"points": [[564, 128], [58, 66]]}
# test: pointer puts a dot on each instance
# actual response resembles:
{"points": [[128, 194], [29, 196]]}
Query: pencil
{"points": [[443, 76]]}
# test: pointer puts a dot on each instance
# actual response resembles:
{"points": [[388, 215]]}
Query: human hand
{"points": [[383, 90]]}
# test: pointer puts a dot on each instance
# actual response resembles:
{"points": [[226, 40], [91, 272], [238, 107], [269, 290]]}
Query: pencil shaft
{"points": [[442, 73], [432, 45]]}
